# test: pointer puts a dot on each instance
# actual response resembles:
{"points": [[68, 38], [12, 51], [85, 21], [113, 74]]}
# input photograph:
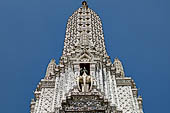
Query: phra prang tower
{"points": [[85, 80]]}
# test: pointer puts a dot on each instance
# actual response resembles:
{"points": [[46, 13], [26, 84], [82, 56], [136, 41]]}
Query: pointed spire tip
{"points": [[84, 4]]}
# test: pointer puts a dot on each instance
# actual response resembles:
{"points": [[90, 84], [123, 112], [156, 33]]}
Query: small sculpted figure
{"points": [[85, 82]]}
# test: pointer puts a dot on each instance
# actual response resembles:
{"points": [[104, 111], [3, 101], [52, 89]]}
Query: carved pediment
{"points": [[85, 57]]}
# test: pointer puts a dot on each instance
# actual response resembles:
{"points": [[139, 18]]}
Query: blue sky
{"points": [[32, 32]]}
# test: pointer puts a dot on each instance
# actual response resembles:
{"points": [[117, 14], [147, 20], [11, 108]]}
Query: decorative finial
{"points": [[84, 4], [52, 60], [116, 58]]}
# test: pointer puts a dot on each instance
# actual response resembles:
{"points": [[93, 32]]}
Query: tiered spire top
{"points": [[84, 31]]}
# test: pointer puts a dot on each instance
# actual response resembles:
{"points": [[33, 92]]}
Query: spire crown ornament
{"points": [[84, 4]]}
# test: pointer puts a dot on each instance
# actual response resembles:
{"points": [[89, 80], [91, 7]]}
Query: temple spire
{"points": [[119, 68], [85, 80], [50, 69]]}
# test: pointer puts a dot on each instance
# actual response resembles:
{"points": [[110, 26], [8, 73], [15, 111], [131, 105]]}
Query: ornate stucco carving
{"points": [[84, 47]]}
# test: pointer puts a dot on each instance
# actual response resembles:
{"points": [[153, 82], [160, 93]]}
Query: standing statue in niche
{"points": [[84, 81], [83, 70]]}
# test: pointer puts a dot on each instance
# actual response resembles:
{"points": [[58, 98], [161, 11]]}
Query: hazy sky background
{"points": [[32, 32]]}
